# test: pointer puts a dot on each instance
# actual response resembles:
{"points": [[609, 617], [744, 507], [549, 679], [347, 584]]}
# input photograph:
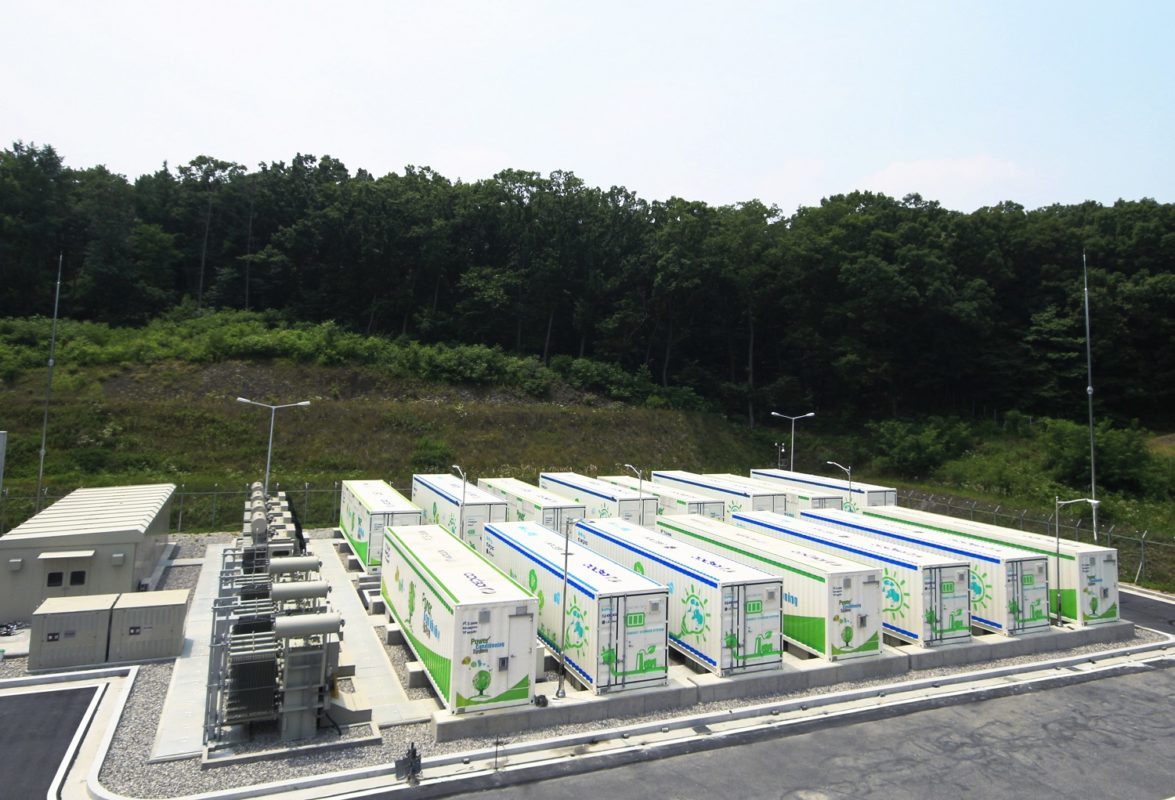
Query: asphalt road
{"points": [[1147, 611], [1113, 737], [35, 732]]}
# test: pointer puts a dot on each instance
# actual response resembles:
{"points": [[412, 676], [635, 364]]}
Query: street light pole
{"points": [[791, 463], [461, 511], [640, 491], [848, 471], [1057, 526], [561, 692], [272, 418]]}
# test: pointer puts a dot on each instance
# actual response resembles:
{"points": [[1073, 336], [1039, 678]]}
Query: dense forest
{"points": [[865, 306]]}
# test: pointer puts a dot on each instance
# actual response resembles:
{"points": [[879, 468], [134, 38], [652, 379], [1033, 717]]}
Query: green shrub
{"points": [[913, 449]]}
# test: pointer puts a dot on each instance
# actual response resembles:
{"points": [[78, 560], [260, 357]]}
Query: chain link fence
{"points": [[1141, 555]]}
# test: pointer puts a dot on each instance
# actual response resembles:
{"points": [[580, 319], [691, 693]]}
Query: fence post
{"points": [[995, 514], [306, 496], [1022, 513], [179, 528], [1110, 536], [1141, 556], [973, 504], [1077, 529], [215, 493]]}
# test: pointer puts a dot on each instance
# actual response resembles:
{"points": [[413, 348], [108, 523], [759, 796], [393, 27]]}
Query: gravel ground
{"points": [[193, 545], [400, 655], [179, 578], [13, 667], [126, 771]]}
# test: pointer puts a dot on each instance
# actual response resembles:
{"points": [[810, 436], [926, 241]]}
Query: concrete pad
{"points": [[181, 723], [374, 673], [417, 677]]}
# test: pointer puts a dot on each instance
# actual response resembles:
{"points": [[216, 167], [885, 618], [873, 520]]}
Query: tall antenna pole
{"points": [[1089, 395], [49, 383]]}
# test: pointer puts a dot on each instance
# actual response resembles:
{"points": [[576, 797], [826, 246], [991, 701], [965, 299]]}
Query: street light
{"points": [[561, 692], [640, 486], [848, 471], [461, 511], [1057, 525], [272, 416], [791, 463]]}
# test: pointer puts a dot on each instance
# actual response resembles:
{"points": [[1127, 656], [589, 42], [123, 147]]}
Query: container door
{"points": [[474, 518], [519, 664], [1015, 618], [734, 627], [611, 649], [551, 518]]}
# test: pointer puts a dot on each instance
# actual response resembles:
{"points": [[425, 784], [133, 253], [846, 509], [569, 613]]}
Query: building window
{"points": [[55, 579], [77, 577]]}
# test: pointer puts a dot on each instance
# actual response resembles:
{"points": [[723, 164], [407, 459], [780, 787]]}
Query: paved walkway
{"points": [[374, 674], [181, 725]]}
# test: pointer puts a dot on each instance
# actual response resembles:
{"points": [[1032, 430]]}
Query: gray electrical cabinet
{"points": [[147, 625], [70, 631]]}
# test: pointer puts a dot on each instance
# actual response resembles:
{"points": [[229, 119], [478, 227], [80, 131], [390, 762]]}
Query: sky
{"points": [[967, 103]]}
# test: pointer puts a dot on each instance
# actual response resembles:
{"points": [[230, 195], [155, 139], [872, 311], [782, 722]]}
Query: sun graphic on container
{"points": [[893, 595], [577, 627], [980, 591], [694, 617]]}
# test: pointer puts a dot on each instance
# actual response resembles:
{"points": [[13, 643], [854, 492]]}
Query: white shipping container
{"points": [[924, 598], [471, 627], [441, 497], [831, 606], [528, 503], [737, 498], [147, 625], [602, 499], [798, 497], [365, 509], [670, 499], [612, 625], [1009, 587], [1083, 578], [723, 614], [857, 496]]}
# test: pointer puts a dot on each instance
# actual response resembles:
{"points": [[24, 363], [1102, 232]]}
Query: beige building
{"points": [[92, 541]]}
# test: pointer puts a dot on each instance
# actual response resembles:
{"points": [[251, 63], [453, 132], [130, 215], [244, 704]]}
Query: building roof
{"points": [[96, 511]]}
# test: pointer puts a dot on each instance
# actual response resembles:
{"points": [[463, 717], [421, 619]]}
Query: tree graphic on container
{"points": [[481, 682], [411, 599]]}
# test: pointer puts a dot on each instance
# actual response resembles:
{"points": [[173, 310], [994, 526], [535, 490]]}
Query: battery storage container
{"points": [[737, 498], [856, 496], [925, 598], [831, 606], [366, 508], [723, 615], [528, 503], [612, 625], [602, 499], [1009, 587], [471, 627], [672, 500], [441, 496], [1083, 578], [798, 497]]}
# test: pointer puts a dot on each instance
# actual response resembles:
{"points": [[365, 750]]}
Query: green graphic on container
{"points": [[980, 592], [695, 617], [895, 600], [576, 633], [646, 661], [764, 646], [808, 631], [518, 692]]}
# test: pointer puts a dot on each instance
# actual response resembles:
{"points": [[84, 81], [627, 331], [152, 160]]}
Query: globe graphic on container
{"points": [[693, 620], [891, 594]]}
